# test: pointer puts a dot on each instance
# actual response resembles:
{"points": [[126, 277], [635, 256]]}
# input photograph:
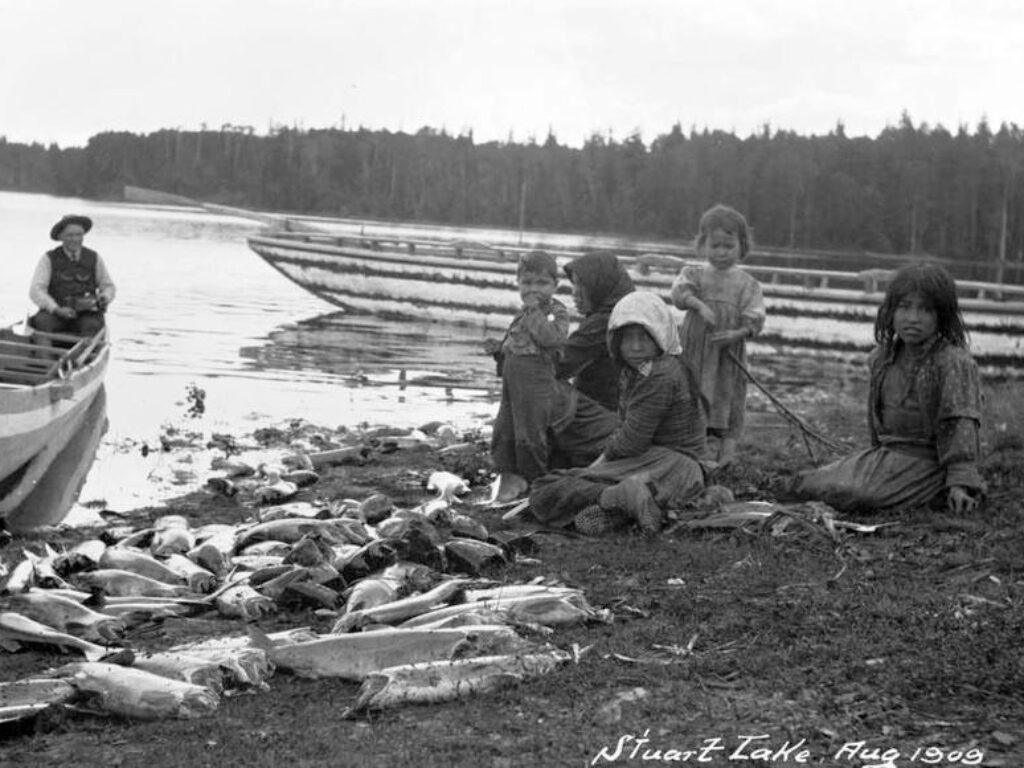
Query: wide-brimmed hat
{"points": [[84, 221]]}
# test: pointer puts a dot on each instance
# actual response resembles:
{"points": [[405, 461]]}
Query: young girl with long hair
{"points": [[924, 407]]}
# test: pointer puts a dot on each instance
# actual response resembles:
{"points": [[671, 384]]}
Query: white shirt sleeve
{"points": [[39, 290], [104, 285]]}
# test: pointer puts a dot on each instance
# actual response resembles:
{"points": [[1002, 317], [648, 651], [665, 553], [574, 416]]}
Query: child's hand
{"points": [[531, 301], [960, 501], [725, 338], [707, 313], [492, 346]]}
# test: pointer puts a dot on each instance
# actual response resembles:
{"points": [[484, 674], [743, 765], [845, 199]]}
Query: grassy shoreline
{"points": [[904, 639]]}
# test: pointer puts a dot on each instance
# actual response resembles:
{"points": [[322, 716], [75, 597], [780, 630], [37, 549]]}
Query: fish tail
{"points": [[94, 653], [97, 599]]}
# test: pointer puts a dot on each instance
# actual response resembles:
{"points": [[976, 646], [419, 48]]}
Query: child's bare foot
{"points": [[727, 455], [509, 486], [712, 448]]}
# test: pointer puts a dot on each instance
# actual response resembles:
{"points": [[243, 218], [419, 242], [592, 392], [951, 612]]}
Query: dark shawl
{"points": [[605, 281]]}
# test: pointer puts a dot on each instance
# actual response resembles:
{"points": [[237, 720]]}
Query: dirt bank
{"points": [[906, 639]]}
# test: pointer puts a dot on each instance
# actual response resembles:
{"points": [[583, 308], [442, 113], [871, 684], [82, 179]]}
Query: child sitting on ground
{"points": [[924, 408], [598, 281], [527, 357], [650, 463], [725, 308]]}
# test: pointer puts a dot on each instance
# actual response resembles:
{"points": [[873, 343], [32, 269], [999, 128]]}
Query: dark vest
{"points": [[70, 279]]}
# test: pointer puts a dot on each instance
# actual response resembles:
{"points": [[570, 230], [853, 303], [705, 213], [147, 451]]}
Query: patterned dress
{"points": [[924, 415], [737, 301]]}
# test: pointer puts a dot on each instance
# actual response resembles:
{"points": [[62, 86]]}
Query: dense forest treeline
{"points": [[912, 189]]}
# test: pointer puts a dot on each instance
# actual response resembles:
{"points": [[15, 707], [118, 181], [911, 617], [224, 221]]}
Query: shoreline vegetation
{"points": [[905, 638], [913, 189]]}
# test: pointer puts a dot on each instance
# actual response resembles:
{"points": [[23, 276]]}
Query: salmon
{"points": [[173, 539], [354, 656], [507, 591], [138, 694], [83, 556], [21, 577], [117, 582], [256, 562], [133, 560], [398, 610], [447, 680], [66, 615], [266, 548], [16, 630], [310, 550], [34, 691], [24, 699], [213, 554], [183, 667], [371, 592], [549, 610], [469, 555], [199, 579], [236, 642], [241, 667], [44, 574], [243, 602], [300, 509]]}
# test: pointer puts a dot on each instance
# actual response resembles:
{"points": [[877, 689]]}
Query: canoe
{"points": [[474, 283], [46, 394]]}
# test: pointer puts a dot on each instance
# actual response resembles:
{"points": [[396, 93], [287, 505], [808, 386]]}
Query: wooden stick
{"points": [[805, 429]]}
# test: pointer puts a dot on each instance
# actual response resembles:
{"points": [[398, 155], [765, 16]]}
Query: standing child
{"points": [[725, 308], [527, 357], [924, 408], [651, 462]]}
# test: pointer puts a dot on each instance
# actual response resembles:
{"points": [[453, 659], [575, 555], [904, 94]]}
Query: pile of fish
{"points": [[401, 594]]}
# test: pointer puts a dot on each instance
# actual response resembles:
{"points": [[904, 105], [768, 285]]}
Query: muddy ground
{"points": [[734, 646]]}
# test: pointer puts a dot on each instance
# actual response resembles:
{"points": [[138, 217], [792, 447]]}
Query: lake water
{"points": [[195, 306]]}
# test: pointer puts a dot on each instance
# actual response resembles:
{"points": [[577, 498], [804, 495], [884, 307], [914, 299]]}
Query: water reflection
{"points": [[406, 359], [366, 350], [58, 489]]}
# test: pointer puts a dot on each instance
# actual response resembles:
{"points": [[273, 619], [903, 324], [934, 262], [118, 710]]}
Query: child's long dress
{"points": [[924, 419], [737, 301], [659, 440]]}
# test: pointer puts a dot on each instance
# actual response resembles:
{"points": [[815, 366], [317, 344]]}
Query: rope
{"points": [[806, 430]]}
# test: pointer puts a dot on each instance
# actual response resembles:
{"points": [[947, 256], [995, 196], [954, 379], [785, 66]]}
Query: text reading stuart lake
{"points": [[760, 748]]}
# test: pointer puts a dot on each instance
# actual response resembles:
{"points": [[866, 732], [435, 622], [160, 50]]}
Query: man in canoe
{"points": [[71, 285]]}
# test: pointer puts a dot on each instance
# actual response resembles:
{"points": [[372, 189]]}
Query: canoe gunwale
{"points": [[40, 419], [816, 285]]}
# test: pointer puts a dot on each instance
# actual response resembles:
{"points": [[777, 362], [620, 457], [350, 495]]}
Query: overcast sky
{"points": [[510, 67]]}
